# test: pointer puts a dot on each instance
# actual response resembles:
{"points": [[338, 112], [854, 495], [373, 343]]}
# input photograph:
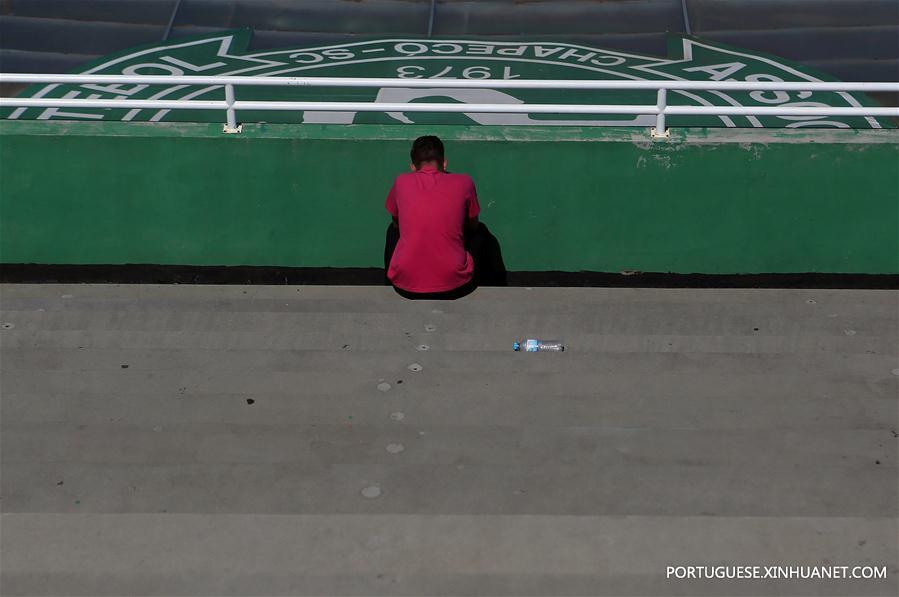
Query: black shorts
{"points": [[447, 295]]}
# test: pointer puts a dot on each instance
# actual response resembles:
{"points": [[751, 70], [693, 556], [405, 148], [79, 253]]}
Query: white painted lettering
{"points": [[446, 70], [306, 57], [476, 72], [479, 50], [410, 71], [575, 53], [768, 97], [718, 72], [410, 48], [51, 112], [446, 48], [339, 54], [608, 60], [514, 51], [541, 52]]}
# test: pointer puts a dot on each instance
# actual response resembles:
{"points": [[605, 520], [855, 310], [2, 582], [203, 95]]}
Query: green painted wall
{"points": [[557, 199]]}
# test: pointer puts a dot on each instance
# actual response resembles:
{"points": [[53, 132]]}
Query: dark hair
{"points": [[427, 149]]}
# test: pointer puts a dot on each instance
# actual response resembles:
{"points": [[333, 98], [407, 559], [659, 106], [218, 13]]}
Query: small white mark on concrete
{"points": [[896, 371], [157, 428], [811, 301], [422, 433], [395, 448], [436, 311], [371, 492], [67, 296], [397, 416], [849, 332], [41, 310], [415, 367], [430, 327], [422, 347], [8, 326], [384, 386]]}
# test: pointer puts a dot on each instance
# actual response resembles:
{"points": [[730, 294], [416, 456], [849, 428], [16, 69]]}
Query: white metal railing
{"points": [[231, 105]]}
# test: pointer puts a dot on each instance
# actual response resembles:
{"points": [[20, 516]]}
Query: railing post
{"points": [[231, 125], [660, 132]]}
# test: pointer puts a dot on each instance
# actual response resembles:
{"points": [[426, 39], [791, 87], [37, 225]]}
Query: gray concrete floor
{"points": [[704, 427]]}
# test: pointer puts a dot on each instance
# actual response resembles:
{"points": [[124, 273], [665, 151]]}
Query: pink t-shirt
{"points": [[432, 207]]}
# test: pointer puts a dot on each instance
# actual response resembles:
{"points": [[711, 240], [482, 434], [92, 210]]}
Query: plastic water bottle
{"points": [[534, 345]]}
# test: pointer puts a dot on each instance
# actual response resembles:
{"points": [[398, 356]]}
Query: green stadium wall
{"points": [[711, 201]]}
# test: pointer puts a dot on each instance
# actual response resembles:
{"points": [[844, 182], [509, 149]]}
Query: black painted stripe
{"points": [[30, 273]]}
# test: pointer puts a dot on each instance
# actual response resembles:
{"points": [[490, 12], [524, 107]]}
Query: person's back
{"points": [[431, 208]]}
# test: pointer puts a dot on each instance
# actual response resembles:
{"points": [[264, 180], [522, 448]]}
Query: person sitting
{"points": [[435, 239]]}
